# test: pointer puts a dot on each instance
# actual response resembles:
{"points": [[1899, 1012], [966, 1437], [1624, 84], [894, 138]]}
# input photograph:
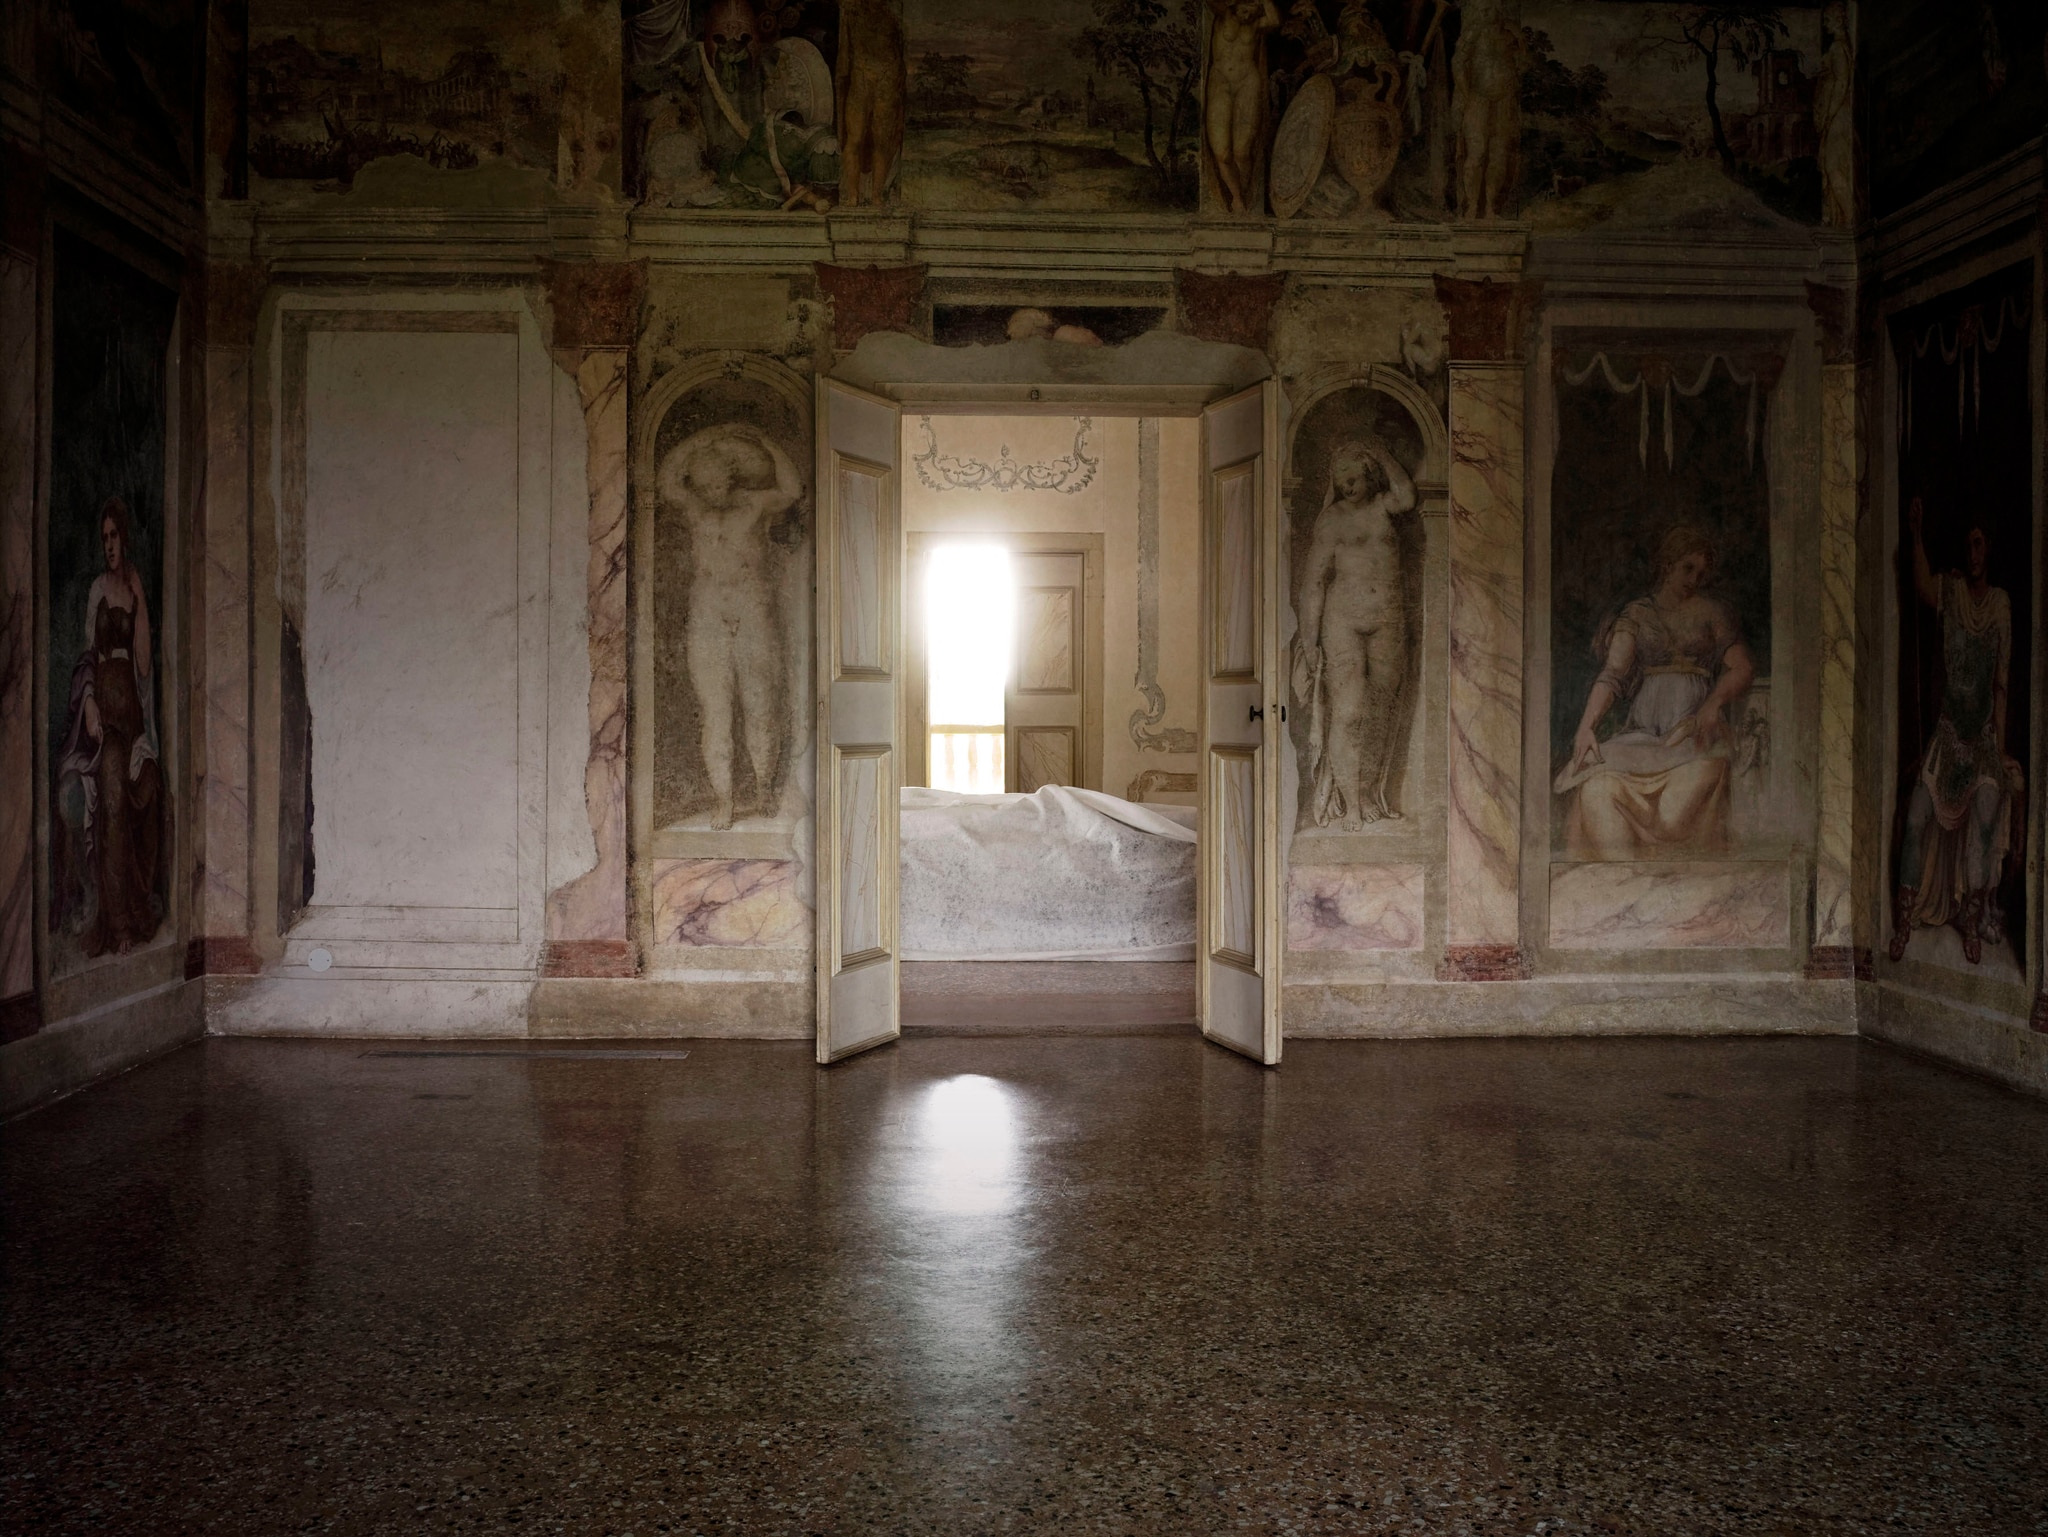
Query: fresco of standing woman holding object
{"points": [[107, 678], [1677, 659], [109, 831]]}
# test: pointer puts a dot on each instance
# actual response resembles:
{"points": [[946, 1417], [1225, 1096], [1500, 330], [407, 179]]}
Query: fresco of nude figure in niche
{"points": [[731, 617], [1357, 549]]}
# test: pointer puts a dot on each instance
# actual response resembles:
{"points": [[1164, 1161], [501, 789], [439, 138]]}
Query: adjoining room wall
{"points": [[1141, 496]]}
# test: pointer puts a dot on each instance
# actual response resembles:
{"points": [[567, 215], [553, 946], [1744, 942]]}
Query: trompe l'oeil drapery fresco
{"points": [[1661, 622]]}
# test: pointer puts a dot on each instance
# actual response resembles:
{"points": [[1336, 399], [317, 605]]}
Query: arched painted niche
{"points": [[1366, 460], [722, 470]]}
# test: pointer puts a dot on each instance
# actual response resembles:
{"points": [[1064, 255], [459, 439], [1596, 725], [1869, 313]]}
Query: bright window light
{"points": [[970, 612]]}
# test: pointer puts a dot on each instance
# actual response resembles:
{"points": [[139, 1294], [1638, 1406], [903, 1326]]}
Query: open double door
{"points": [[860, 722]]}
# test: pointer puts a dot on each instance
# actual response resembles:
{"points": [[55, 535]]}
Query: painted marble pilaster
{"points": [[1833, 924], [587, 930], [730, 903], [17, 636], [224, 789], [1354, 907], [1483, 845], [595, 308], [234, 294]]}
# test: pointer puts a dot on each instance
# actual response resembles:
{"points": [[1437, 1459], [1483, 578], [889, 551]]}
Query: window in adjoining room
{"points": [[970, 613]]}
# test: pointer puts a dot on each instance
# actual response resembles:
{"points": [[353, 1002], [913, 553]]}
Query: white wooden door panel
{"points": [[860, 580], [1241, 847]]}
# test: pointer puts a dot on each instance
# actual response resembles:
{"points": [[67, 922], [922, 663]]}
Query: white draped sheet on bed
{"points": [[1057, 875]]}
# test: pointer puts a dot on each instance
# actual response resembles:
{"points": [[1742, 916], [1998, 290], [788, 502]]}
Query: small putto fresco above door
{"points": [[1660, 610], [1357, 556]]}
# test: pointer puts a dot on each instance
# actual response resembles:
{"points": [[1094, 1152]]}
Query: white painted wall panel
{"points": [[412, 592]]}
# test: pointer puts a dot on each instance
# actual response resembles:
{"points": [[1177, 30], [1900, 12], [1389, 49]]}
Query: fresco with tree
{"points": [[1053, 104]]}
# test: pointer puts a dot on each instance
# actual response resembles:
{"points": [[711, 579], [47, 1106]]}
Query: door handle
{"points": [[1258, 712]]}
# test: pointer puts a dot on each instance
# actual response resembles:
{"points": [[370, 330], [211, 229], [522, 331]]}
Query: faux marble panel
{"points": [[1620, 906], [1234, 786], [1045, 628], [17, 620], [1354, 907], [860, 865], [1836, 791], [1045, 756], [1236, 574], [860, 571], [1485, 694], [594, 905], [723, 903]]}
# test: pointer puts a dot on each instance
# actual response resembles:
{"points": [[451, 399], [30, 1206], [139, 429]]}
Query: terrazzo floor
{"points": [[1066, 1286]]}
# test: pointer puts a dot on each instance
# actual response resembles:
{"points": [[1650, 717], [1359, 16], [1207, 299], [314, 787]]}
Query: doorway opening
{"points": [[1051, 638], [1140, 723]]}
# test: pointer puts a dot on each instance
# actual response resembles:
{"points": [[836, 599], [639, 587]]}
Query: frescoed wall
{"points": [[338, 87], [733, 105], [1676, 113], [1568, 112], [110, 779], [1052, 105], [1965, 606], [1575, 528]]}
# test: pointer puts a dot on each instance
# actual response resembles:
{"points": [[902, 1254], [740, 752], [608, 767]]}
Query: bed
{"points": [[1057, 875]]}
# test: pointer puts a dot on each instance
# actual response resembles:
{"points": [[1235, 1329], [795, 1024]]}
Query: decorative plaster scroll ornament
{"points": [[944, 472]]}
